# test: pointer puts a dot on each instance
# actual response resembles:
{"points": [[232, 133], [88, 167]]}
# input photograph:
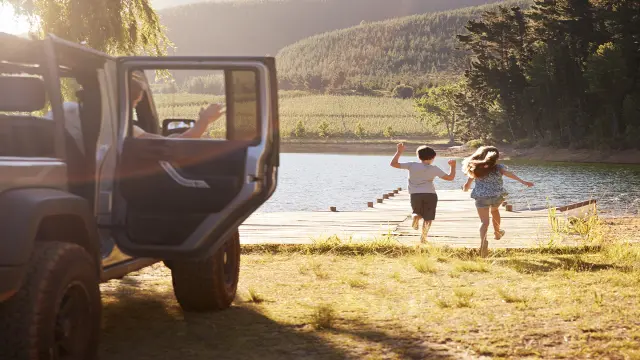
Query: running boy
{"points": [[483, 168], [423, 193]]}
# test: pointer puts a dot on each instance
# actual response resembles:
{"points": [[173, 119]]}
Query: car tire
{"points": [[56, 313], [209, 284]]}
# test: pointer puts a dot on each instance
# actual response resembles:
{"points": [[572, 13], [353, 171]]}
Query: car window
{"points": [[185, 92]]}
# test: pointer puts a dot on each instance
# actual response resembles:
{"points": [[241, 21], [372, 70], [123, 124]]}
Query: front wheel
{"points": [[56, 313], [209, 284]]}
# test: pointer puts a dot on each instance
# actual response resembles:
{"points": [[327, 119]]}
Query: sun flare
{"points": [[11, 23]]}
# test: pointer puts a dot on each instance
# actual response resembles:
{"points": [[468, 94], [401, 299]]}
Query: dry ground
{"points": [[317, 303]]}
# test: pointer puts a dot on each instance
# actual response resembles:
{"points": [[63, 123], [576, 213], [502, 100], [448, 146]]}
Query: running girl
{"points": [[483, 168]]}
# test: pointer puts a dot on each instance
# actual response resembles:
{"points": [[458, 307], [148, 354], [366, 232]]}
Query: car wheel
{"points": [[208, 284], [56, 313]]}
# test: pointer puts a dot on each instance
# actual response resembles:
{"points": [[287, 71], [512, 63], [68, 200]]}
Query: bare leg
{"points": [[426, 225], [484, 227], [415, 224], [495, 216]]}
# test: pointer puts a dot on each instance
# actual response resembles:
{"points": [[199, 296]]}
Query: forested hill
{"points": [[265, 27], [410, 49]]}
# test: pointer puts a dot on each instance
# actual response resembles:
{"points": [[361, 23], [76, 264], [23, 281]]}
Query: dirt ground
{"points": [[554, 303]]}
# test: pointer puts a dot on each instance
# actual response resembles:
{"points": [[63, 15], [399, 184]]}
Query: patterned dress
{"points": [[490, 186]]}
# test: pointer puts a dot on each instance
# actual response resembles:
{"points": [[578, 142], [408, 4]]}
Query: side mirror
{"points": [[176, 126]]}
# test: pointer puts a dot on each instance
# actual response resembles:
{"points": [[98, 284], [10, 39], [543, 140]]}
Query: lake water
{"points": [[313, 182]]}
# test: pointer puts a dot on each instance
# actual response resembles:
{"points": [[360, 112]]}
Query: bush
{"points": [[403, 92], [323, 129], [474, 144], [360, 131], [299, 130], [388, 132]]}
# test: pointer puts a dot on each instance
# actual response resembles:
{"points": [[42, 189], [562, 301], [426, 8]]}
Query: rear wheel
{"points": [[209, 284], [56, 313]]}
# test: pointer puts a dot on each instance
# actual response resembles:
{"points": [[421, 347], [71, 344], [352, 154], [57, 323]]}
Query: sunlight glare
{"points": [[12, 24]]}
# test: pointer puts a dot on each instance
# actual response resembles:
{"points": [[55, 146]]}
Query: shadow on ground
{"points": [[150, 325], [572, 263]]}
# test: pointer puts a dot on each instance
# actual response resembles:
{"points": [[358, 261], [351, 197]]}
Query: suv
{"points": [[74, 213]]}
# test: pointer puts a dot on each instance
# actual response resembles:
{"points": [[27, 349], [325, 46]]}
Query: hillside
{"points": [[410, 49], [265, 27]]}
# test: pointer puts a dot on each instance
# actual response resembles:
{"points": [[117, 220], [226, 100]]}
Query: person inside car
{"points": [[206, 117]]}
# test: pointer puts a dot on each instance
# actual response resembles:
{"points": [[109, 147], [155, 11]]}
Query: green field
{"points": [[340, 115]]}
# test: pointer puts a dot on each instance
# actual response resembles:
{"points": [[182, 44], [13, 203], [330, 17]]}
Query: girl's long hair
{"points": [[482, 162]]}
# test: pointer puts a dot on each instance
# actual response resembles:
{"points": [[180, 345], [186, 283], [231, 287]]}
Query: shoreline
{"points": [[388, 147]]}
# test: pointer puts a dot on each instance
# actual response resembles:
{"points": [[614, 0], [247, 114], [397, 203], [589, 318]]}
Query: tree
{"points": [[338, 79], [501, 51], [117, 27], [315, 82], [441, 105], [403, 92]]}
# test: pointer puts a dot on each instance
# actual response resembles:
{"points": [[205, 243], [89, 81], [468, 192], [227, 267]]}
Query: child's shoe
{"points": [[416, 221], [499, 234]]}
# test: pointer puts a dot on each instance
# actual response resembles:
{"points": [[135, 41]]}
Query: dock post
{"points": [[396, 191], [370, 204], [399, 189], [379, 201], [509, 207], [385, 196], [333, 209], [391, 194]]}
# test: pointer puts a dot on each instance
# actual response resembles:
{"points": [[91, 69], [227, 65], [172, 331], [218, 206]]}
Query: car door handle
{"points": [[178, 178]]}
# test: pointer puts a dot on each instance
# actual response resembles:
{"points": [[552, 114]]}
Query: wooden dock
{"points": [[456, 224]]}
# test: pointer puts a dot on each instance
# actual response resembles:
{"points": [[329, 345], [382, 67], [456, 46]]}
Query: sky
{"points": [[9, 23], [12, 25]]}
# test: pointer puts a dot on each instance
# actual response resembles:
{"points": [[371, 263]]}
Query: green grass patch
{"points": [[478, 266], [425, 265]]}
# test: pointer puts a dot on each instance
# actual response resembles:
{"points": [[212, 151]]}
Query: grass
{"points": [[323, 316], [509, 296], [334, 116], [254, 297], [478, 266], [540, 303], [425, 265]]}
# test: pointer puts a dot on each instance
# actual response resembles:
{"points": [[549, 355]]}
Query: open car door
{"points": [[184, 197]]}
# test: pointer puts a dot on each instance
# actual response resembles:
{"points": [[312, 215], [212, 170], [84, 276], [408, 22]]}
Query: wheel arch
{"points": [[32, 215]]}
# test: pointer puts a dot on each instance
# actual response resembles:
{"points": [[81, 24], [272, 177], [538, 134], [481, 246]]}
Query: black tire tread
{"points": [[199, 285], [22, 315]]}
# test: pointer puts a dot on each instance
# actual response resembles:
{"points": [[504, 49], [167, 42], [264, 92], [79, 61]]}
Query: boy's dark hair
{"points": [[426, 153]]}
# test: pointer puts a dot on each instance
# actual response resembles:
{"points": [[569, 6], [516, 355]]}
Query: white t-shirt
{"points": [[421, 177]]}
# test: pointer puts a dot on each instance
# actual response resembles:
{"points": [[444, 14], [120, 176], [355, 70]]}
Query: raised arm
{"points": [[515, 177], [395, 163], [452, 171], [207, 116], [467, 185]]}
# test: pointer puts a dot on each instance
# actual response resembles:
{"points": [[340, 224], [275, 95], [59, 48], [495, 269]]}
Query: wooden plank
{"points": [[456, 224]]}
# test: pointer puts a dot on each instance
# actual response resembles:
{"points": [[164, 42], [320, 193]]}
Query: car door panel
{"points": [[190, 176], [182, 198]]}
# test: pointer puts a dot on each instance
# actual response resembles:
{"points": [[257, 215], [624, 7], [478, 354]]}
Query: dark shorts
{"points": [[424, 205]]}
